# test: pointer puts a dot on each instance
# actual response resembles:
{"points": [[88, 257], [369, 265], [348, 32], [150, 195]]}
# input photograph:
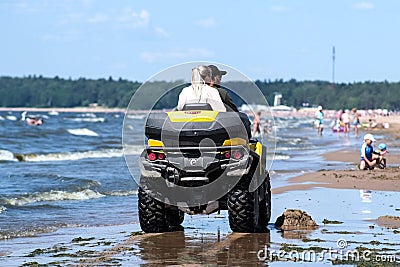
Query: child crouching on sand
{"points": [[381, 152], [368, 159]]}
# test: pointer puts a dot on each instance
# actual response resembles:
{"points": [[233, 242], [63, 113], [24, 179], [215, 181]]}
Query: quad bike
{"points": [[200, 161]]}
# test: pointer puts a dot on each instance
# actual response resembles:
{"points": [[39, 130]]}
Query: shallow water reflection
{"points": [[190, 247]]}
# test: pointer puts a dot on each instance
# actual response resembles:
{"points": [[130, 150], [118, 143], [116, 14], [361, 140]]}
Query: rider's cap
{"points": [[319, 107], [369, 137], [382, 146], [215, 71]]}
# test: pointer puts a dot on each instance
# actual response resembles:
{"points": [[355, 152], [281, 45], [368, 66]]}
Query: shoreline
{"points": [[350, 177]]}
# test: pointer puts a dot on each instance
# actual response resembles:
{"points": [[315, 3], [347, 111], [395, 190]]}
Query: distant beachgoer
{"points": [[372, 124], [346, 121], [356, 121], [339, 115], [257, 124], [199, 91], [368, 158], [319, 120], [267, 126]]}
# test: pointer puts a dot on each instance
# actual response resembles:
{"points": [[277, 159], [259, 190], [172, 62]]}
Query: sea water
{"points": [[71, 172]]}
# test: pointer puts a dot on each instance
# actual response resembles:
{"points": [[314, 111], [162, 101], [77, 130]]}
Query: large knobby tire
{"points": [[265, 203], [152, 214], [243, 215]]}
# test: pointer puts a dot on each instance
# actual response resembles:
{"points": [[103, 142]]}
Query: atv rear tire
{"points": [[151, 214], [241, 210], [265, 203]]}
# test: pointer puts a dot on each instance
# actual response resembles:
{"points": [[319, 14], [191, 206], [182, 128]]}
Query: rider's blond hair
{"points": [[201, 75]]}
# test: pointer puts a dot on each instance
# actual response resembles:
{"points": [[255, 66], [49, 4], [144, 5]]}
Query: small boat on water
{"points": [[31, 120], [34, 121]]}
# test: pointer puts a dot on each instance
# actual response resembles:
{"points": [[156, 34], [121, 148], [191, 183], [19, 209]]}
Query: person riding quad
{"points": [[216, 76], [199, 91]]}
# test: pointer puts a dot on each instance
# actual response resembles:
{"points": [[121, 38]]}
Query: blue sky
{"points": [[263, 39]]}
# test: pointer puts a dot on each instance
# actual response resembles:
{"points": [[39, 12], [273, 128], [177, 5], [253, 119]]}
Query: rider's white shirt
{"points": [[208, 95]]}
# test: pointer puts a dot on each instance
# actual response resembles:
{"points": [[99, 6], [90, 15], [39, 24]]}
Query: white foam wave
{"points": [[54, 196], [11, 118], [278, 157], [136, 117], [107, 153], [53, 113], [87, 119], [124, 193], [6, 155], [133, 149], [2, 208], [82, 131]]}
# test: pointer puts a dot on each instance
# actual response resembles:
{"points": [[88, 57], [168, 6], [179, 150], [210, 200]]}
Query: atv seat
{"points": [[197, 106]]}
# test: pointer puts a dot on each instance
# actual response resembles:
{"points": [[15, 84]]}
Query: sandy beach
{"points": [[367, 214]]}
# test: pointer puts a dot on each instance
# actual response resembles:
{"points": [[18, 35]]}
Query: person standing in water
{"points": [[319, 120]]}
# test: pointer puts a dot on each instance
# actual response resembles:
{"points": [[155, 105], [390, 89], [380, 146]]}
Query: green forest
{"points": [[38, 91]]}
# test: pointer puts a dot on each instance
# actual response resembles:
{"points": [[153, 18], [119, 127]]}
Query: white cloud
{"points": [[161, 32], [133, 19], [364, 5], [206, 23], [151, 57]]}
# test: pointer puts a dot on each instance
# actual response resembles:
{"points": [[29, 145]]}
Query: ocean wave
{"points": [[6, 155], [2, 208], [123, 193], [278, 157], [133, 149], [87, 119], [11, 118], [34, 231], [53, 195], [106, 153], [136, 116], [82, 131]]}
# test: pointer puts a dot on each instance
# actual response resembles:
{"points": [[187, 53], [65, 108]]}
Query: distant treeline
{"points": [[55, 92]]}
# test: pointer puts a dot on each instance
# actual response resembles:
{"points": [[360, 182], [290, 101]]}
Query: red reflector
{"points": [[227, 155], [152, 156], [237, 155], [161, 156]]}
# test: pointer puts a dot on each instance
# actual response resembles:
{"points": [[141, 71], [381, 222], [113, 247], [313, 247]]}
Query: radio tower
{"points": [[333, 64]]}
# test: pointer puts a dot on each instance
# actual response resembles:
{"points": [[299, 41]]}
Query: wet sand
{"points": [[350, 177]]}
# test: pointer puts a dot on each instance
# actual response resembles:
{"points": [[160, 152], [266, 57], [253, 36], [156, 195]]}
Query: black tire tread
{"points": [[241, 211], [151, 214]]}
